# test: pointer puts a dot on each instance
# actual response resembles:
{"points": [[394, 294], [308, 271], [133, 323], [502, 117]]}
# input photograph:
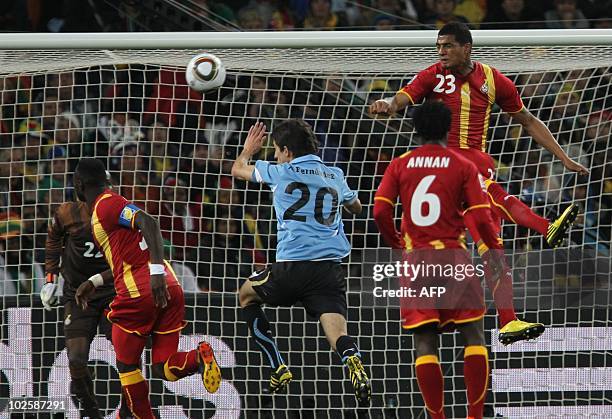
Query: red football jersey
{"points": [[434, 185], [123, 246], [469, 99]]}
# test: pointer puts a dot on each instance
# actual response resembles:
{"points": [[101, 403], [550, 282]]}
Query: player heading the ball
{"points": [[470, 89]]}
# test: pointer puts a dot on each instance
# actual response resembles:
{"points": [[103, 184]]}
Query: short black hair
{"points": [[297, 136], [91, 172], [432, 120], [460, 30]]}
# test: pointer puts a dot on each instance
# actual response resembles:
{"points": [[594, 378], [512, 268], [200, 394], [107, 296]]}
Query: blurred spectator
{"points": [[171, 100], [56, 186], [565, 15], [50, 110], [67, 129], [13, 16], [384, 23], [512, 14], [444, 12], [218, 12], [283, 18], [163, 153], [599, 126], [200, 170], [473, 10], [72, 94], [249, 19], [321, 17], [135, 181], [180, 220], [20, 246], [265, 9], [565, 114], [118, 125], [402, 11], [534, 88]]}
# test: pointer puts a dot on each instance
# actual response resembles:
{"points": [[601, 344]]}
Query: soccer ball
{"points": [[205, 72]]}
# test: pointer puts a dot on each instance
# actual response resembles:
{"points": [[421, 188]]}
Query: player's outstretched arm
{"points": [[241, 168], [542, 135], [390, 105], [149, 227]]}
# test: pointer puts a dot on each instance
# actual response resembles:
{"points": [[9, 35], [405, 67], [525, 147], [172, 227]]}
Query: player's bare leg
{"points": [[334, 326], [260, 331], [81, 383], [512, 209], [475, 366], [428, 370]]}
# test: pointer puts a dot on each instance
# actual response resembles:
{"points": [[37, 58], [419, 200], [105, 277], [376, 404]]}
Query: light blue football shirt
{"points": [[307, 198]]}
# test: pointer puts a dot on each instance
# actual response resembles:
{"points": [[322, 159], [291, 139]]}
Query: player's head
{"points": [[432, 121], [293, 138], [454, 44], [90, 175]]}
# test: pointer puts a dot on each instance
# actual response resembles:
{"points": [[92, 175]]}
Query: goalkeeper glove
{"points": [[48, 293]]}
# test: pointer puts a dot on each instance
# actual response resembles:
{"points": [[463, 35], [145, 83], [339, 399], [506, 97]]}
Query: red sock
{"points": [[512, 209], [476, 376], [136, 392], [181, 364], [431, 384], [501, 290]]}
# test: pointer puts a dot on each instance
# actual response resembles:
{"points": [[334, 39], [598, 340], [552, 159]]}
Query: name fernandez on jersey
{"points": [[317, 172], [428, 161]]}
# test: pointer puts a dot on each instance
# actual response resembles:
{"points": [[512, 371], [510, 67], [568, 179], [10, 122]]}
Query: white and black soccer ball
{"points": [[205, 72]]}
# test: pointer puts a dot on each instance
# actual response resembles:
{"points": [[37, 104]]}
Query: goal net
{"points": [[170, 150]]}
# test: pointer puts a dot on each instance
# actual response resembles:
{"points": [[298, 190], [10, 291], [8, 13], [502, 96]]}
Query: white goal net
{"points": [[170, 150]]}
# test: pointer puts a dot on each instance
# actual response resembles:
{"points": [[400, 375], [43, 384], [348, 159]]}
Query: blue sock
{"points": [[260, 331]]}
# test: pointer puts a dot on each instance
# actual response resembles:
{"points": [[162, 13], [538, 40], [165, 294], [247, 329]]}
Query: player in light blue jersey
{"points": [[308, 197]]}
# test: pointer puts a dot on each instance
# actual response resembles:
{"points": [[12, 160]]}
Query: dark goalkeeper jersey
{"points": [[70, 249]]}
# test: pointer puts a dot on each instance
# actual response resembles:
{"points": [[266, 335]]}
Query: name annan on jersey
{"points": [[428, 161], [317, 172]]}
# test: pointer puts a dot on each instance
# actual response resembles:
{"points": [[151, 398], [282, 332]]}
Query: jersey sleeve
{"points": [[384, 201], [388, 190], [265, 172], [473, 188], [347, 195], [420, 86], [506, 94], [109, 211], [54, 244]]}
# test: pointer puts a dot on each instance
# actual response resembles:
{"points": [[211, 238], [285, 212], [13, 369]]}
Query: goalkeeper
{"points": [[70, 250], [470, 89]]}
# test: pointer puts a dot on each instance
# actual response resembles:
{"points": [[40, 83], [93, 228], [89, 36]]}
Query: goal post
{"points": [[122, 97]]}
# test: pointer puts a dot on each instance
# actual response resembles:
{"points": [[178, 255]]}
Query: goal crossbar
{"points": [[299, 39]]}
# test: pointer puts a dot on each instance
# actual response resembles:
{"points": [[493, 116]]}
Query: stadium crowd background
{"points": [[148, 132]]}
